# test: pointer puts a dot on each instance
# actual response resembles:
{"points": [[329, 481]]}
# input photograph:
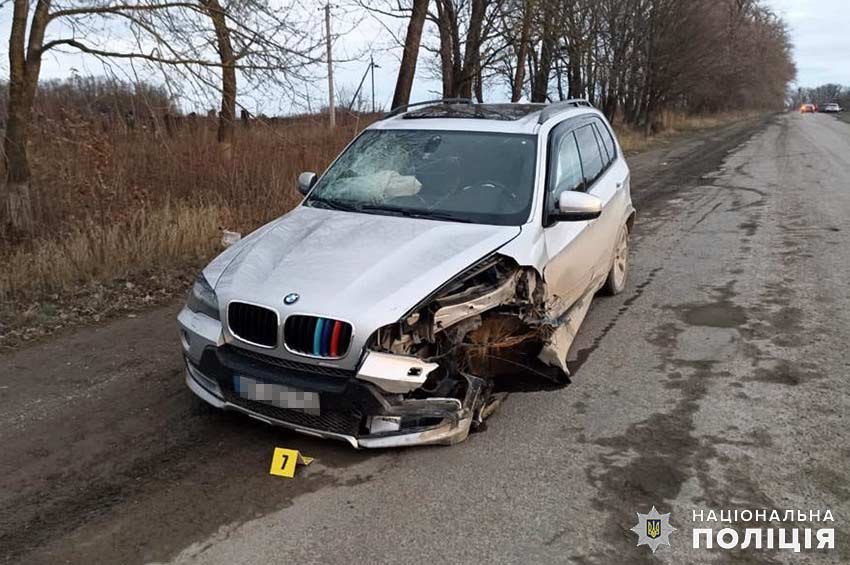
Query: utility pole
{"points": [[331, 108], [372, 66]]}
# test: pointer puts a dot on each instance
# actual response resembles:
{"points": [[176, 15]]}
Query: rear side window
{"points": [[606, 137], [606, 156], [591, 155]]}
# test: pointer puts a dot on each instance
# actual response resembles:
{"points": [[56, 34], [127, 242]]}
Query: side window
{"points": [[565, 171], [591, 157], [606, 155], [568, 170], [606, 137]]}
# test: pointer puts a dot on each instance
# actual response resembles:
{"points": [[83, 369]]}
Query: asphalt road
{"points": [[718, 380]]}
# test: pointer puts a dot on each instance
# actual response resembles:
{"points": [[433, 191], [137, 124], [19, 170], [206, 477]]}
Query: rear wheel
{"points": [[616, 281]]}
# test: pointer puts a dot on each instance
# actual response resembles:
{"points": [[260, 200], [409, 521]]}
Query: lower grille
{"points": [[269, 361], [253, 324], [338, 421], [319, 337]]}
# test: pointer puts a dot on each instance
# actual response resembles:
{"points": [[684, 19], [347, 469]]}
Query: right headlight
{"points": [[202, 299]]}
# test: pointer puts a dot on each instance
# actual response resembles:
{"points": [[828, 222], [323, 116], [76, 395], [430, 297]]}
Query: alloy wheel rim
{"points": [[621, 260]]}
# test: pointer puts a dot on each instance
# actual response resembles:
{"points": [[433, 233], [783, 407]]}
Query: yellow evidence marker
{"points": [[284, 461]]}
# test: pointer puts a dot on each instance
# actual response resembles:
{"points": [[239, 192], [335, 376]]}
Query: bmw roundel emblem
{"points": [[291, 298]]}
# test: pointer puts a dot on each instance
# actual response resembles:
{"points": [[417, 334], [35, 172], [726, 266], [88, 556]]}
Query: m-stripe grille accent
{"points": [[319, 337]]}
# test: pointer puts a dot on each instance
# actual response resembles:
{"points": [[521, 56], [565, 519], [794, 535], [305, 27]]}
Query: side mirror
{"points": [[574, 206], [306, 181]]}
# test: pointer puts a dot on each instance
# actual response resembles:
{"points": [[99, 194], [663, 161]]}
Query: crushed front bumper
{"points": [[348, 404]]}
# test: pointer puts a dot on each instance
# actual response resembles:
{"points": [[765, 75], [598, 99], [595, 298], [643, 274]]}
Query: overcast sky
{"points": [[821, 34], [820, 31]]}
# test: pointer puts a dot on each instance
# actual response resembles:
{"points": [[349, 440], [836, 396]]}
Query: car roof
{"points": [[503, 117]]}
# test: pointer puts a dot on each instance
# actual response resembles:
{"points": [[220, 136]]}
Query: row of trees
{"points": [[822, 95], [629, 57], [632, 58]]}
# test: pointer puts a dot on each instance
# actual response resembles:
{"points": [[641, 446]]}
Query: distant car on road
{"points": [[831, 108], [807, 109]]}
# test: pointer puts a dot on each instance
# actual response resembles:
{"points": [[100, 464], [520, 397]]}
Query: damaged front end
{"points": [[451, 360], [429, 378]]}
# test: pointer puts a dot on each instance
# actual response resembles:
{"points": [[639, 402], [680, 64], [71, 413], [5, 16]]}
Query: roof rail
{"points": [[557, 107], [404, 107]]}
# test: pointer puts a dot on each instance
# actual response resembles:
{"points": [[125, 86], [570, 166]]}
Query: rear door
{"points": [[610, 186], [583, 156]]}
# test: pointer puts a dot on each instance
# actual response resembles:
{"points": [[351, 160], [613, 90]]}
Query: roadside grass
{"points": [[844, 116], [672, 123], [128, 217]]}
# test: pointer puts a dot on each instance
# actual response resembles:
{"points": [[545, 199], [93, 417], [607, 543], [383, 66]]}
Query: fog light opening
{"points": [[380, 424]]}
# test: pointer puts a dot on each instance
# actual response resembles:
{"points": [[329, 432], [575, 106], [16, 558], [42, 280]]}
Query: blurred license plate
{"points": [[277, 395]]}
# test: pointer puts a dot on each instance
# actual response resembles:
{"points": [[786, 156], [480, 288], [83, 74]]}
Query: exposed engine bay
{"points": [[493, 326]]}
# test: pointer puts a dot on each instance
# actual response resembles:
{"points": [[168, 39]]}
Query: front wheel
{"points": [[616, 281]]}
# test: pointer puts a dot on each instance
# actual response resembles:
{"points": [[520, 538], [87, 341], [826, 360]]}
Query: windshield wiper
{"points": [[427, 215], [374, 208], [333, 204], [441, 216]]}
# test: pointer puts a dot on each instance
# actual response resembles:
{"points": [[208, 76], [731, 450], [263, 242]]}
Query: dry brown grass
{"points": [[171, 235], [112, 204], [127, 217], [671, 123]]}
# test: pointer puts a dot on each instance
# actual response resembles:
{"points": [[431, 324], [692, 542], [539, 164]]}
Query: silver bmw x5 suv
{"points": [[447, 257]]}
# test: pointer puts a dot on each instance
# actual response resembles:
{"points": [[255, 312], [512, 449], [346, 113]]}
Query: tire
{"points": [[615, 283]]}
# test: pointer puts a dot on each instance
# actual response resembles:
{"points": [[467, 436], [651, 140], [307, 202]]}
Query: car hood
{"points": [[363, 268]]}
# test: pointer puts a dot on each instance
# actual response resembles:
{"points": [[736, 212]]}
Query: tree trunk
{"points": [[479, 85], [407, 70], [24, 68], [18, 209], [574, 71], [227, 114], [472, 52], [444, 26], [559, 79], [522, 51], [540, 81]]}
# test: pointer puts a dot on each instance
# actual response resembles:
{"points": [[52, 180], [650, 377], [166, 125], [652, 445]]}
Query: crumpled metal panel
{"points": [[365, 269], [454, 313], [396, 374]]}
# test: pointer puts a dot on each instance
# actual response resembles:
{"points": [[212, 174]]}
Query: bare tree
{"points": [[469, 43], [244, 37], [27, 47], [224, 45], [521, 48], [407, 69], [253, 42]]}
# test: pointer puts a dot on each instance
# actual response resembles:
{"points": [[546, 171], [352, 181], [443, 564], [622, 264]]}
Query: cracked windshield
{"points": [[460, 176]]}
